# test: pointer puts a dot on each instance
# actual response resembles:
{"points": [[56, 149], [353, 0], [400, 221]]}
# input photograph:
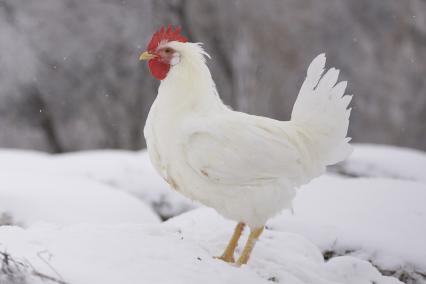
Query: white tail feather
{"points": [[321, 111]]}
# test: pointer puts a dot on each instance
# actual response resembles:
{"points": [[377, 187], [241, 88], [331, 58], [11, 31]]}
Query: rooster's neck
{"points": [[189, 84]]}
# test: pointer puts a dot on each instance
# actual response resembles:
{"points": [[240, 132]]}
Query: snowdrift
{"points": [[94, 217]]}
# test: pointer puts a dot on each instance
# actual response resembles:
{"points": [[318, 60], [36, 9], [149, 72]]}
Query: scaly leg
{"points": [[253, 237], [228, 254]]}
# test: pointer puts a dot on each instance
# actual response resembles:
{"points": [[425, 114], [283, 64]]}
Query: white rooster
{"points": [[246, 167]]}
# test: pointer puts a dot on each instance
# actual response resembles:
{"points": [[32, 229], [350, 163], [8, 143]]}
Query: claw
{"points": [[228, 254], [226, 258]]}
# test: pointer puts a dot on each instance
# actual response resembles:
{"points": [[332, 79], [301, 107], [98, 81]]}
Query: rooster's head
{"points": [[160, 52]]}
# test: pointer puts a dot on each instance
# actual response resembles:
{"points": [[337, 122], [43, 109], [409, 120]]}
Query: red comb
{"points": [[165, 35]]}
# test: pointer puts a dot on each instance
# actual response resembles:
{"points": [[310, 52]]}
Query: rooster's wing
{"points": [[240, 149]]}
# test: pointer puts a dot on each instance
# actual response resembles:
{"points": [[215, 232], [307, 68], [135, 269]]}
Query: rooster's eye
{"points": [[167, 50]]}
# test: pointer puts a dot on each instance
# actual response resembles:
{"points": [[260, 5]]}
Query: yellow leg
{"points": [[253, 237], [228, 254]]}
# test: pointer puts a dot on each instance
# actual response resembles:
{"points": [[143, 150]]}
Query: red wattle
{"points": [[158, 69]]}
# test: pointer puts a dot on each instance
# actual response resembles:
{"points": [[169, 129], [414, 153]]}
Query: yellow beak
{"points": [[146, 56]]}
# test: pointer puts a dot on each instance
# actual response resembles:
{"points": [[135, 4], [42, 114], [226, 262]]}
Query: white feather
{"points": [[246, 167]]}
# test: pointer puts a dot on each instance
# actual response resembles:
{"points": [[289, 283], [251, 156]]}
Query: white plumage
{"points": [[246, 167]]}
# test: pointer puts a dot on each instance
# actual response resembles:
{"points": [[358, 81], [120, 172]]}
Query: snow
{"points": [[376, 219], [371, 160], [30, 198], [93, 217], [124, 170], [178, 251]]}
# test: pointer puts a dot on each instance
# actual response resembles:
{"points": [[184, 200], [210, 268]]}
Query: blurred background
{"points": [[70, 78]]}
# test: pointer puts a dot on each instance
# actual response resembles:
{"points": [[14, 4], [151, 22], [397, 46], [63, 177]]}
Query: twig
{"points": [[48, 264], [47, 277], [19, 270]]}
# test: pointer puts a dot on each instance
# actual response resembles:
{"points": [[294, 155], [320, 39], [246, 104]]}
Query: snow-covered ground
{"points": [[178, 251], [93, 217], [370, 160], [377, 219], [28, 198], [124, 170]]}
